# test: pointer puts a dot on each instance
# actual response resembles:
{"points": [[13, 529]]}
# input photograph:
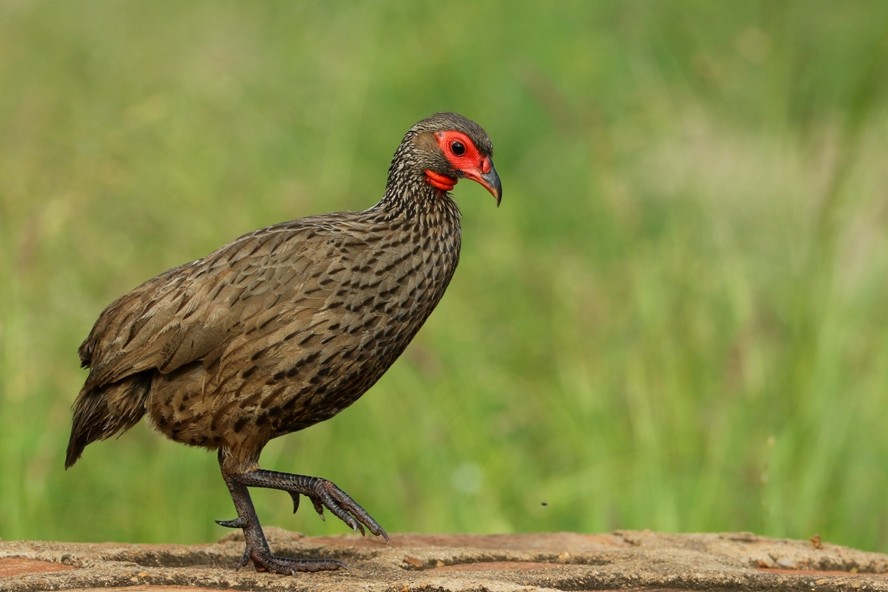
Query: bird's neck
{"points": [[413, 198]]}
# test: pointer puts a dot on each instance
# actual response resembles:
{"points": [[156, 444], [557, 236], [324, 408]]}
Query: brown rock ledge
{"points": [[556, 561]]}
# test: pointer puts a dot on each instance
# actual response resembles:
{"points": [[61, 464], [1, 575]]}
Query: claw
{"points": [[295, 497], [244, 560], [236, 523], [319, 508]]}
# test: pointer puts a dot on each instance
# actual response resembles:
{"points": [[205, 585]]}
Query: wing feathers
{"points": [[186, 313]]}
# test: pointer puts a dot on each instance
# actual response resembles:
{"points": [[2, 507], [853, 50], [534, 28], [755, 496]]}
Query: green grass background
{"points": [[677, 320]]}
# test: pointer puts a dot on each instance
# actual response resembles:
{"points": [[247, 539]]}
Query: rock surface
{"points": [[557, 561]]}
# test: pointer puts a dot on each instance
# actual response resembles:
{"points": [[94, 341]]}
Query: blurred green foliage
{"points": [[675, 321]]}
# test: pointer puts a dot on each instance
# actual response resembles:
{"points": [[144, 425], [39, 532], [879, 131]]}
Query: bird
{"points": [[283, 328]]}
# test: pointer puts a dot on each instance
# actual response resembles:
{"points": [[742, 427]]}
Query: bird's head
{"points": [[447, 147]]}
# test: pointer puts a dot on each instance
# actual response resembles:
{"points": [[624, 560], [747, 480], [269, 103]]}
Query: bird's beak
{"points": [[487, 177]]}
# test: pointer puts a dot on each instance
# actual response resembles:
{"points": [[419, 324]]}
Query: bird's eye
{"points": [[458, 148]]}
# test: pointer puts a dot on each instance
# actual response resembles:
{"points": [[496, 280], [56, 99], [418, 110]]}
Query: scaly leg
{"points": [[257, 546], [321, 492]]}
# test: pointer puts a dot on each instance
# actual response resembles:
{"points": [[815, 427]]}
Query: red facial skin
{"points": [[470, 162]]}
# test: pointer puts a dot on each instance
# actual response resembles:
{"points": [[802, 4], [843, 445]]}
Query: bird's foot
{"points": [[322, 493], [256, 549], [263, 560], [327, 495]]}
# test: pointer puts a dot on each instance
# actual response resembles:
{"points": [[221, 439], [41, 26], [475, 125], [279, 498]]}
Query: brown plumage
{"points": [[285, 327]]}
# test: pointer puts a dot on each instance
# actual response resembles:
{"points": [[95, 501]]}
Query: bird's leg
{"points": [[321, 492], [257, 546]]}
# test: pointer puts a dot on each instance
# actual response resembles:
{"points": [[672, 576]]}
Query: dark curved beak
{"points": [[491, 182], [487, 177]]}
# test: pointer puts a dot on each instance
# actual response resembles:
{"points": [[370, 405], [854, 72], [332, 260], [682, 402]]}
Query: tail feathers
{"points": [[101, 413]]}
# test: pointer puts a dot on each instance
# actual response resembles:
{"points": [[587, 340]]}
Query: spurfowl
{"points": [[285, 327]]}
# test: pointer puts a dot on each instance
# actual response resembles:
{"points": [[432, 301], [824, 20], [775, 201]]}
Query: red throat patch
{"points": [[439, 181]]}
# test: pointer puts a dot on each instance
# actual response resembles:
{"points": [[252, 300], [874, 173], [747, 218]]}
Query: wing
{"points": [[190, 313]]}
